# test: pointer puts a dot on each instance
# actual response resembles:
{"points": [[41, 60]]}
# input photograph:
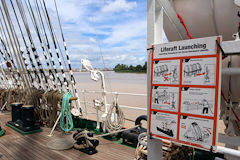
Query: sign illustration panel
{"points": [[185, 92]]}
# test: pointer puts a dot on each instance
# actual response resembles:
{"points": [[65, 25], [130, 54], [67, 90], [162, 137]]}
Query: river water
{"points": [[115, 82]]}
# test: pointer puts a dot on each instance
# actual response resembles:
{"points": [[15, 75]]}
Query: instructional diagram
{"points": [[164, 124], [185, 92], [165, 98], [166, 72], [200, 101], [196, 130], [199, 71]]}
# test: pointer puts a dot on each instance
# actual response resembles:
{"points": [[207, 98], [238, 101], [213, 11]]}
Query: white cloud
{"points": [[142, 58], [81, 46], [119, 5], [120, 25], [92, 40], [127, 31]]}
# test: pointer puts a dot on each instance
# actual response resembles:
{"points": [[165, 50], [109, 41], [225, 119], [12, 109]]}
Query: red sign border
{"points": [[217, 97]]}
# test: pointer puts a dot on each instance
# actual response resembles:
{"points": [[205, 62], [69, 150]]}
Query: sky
{"points": [[115, 29]]}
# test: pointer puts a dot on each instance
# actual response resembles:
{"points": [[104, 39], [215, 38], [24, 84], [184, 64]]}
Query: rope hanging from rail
{"points": [[66, 113], [114, 119]]}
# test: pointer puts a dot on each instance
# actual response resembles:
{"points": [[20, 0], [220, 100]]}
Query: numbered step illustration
{"points": [[199, 71], [166, 72], [196, 130], [165, 98], [200, 101], [164, 124]]}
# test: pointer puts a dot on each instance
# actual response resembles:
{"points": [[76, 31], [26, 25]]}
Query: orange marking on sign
{"points": [[165, 78], [199, 74], [183, 126], [209, 131], [168, 74], [166, 103]]}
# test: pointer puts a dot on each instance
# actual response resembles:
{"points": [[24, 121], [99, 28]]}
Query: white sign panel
{"points": [[200, 101], [196, 130], [185, 92], [199, 71], [164, 124], [195, 47], [165, 98], [166, 72]]}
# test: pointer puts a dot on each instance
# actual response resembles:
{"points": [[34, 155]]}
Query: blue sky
{"points": [[119, 26]]}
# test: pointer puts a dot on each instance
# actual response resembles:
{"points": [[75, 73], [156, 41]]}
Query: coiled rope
{"points": [[84, 134], [114, 123], [66, 113]]}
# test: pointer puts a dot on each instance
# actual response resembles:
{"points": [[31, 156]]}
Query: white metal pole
{"points": [[104, 91], [231, 71], [228, 151], [154, 35], [55, 124], [85, 104]]}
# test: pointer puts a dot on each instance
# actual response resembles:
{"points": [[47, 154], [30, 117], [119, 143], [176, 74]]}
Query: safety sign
{"points": [[184, 92], [164, 124], [165, 98], [196, 130], [166, 72], [199, 71], [198, 101]]}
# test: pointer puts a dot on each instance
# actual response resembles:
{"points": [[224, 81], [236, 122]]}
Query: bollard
{"points": [[16, 112], [28, 116], [23, 120]]}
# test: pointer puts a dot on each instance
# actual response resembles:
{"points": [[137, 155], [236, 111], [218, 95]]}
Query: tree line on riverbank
{"points": [[136, 69]]}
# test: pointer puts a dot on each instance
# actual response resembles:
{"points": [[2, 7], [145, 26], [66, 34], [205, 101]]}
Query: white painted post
{"points": [[85, 104], [154, 35]]}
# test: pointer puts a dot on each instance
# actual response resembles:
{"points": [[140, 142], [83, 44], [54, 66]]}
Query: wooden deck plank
{"points": [[23, 147], [6, 154]]}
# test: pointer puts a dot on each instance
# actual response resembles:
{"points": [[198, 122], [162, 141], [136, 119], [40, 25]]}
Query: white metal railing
{"points": [[116, 93], [91, 104]]}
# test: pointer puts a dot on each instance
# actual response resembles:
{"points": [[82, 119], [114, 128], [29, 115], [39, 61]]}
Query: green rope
{"points": [[2, 132], [66, 113]]}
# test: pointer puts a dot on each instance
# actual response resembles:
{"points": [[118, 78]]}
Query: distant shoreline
{"points": [[127, 71]]}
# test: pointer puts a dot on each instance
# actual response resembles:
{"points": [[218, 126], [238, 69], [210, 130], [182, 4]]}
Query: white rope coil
{"points": [[114, 119]]}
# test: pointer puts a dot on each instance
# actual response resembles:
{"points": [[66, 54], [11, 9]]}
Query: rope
{"points": [[52, 72], [66, 113], [13, 48], [73, 82], [141, 148], [49, 51], [31, 13], [115, 132], [54, 40], [20, 54], [8, 68], [28, 52], [84, 134], [118, 122], [34, 50]]}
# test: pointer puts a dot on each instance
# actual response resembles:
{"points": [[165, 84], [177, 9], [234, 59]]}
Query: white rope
{"points": [[115, 118]]}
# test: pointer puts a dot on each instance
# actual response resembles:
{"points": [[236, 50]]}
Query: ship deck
{"points": [[13, 146]]}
